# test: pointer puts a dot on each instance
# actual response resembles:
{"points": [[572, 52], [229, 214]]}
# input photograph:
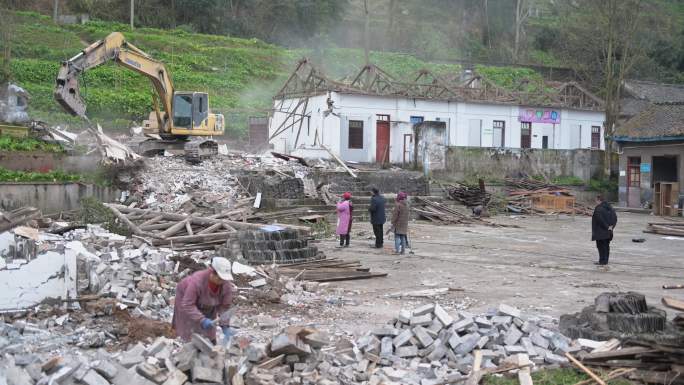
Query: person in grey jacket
{"points": [[400, 218], [377, 216]]}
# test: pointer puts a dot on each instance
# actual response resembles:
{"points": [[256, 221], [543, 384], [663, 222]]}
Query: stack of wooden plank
{"points": [[328, 270], [14, 218], [667, 228], [180, 231], [441, 214], [530, 196], [468, 195], [653, 363]]}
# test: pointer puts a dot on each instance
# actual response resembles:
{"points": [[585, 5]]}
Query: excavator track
{"points": [[200, 149]]}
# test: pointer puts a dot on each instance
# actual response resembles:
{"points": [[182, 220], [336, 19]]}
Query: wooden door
{"points": [[634, 181], [382, 137]]}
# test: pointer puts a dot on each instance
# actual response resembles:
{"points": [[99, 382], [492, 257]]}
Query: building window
{"points": [[417, 119], [525, 135], [545, 142], [499, 133], [355, 134], [595, 137], [384, 118], [634, 171]]}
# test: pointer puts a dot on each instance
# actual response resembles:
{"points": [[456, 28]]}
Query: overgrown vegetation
{"points": [[565, 376], [240, 75], [9, 143], [93, 211], [30, 176]]}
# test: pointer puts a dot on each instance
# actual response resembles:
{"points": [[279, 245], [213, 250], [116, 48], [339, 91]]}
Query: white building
{"points": [[372, 118]]}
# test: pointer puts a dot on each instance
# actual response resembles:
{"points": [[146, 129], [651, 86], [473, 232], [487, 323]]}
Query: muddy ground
{"points": [[544, 266]]}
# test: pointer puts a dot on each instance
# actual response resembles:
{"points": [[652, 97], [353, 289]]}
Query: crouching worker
{"points": [[201, 299]]}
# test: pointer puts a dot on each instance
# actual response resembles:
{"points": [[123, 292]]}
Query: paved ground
{"points": [[545, 267]]}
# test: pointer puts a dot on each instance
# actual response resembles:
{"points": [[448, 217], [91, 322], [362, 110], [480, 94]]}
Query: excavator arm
{"points": [[114, 47]]}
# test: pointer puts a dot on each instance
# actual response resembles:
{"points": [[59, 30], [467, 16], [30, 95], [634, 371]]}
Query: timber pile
{"points": [[441, 214], [650, 363], [328, 270], [524, 193], [469, 196], [180, 231], [18, 217], [669, 228]]}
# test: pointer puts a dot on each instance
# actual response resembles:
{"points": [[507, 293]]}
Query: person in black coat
{"points": [[603, 222], [377, 216]]}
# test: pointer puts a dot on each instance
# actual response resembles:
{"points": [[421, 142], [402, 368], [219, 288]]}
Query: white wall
{"points": [[461, 120]]}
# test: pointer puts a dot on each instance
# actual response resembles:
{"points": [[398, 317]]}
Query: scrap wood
{"points": [[476, 374], [440, 213], [585, 369], [327, 270], [617, 373], [14, 218], [337, 158], [665, 229], [673, 303], [669, 287]]}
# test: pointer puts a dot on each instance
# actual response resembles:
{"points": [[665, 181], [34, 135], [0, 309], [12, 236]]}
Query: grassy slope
{"points": [[240, 75]]}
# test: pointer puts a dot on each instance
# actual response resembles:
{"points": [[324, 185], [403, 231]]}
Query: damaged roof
{"points": [[658, 122], [307, 80], [655, 92]]}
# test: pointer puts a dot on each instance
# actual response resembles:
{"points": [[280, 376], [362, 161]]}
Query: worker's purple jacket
{"points": [[195, 302]]}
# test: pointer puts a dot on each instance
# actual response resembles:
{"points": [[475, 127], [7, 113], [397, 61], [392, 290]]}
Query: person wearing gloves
{"points": [[345, 211], [400, 218], [201, 301]]}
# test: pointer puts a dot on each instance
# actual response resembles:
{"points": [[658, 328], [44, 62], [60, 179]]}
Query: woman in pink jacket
{"points": [[344, 219]]}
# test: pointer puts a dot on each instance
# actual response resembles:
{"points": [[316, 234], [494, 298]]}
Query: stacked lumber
{"points": [[444, 215], [14, 218], [469, 196], [179, 231], [668, 228], [529, 196], [328, 270], [651, 363]]}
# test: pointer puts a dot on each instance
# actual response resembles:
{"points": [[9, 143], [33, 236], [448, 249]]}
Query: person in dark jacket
{"points": [[603, 223], [400, 218], [377, 216]]}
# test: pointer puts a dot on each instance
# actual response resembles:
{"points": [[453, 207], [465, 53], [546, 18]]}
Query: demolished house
{"points": [[373, 117]]}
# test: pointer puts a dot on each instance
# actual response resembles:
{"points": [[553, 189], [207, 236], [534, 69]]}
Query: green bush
{"points": [[8, 143], [29, 176]]}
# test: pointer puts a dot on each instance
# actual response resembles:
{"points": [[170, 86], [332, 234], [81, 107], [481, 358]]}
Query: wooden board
{"points": [[673, 303]]}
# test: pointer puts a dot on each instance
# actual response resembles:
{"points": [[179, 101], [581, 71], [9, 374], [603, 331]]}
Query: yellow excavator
{"points": [[183, 114]]}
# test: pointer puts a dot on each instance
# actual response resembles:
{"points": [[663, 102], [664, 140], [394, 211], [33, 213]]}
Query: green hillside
{"points": [[240, 75]]}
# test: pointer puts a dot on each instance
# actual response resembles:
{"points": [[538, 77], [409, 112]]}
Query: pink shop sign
{"points": [[539, 115]]}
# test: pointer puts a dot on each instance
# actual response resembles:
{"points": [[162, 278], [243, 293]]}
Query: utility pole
{"points": [[55, 11], [366, 36], [132, 12]]}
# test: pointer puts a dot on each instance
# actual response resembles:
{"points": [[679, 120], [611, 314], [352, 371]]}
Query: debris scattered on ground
{"points": [[470, 196], [530, 196], [442, 214], [18, 217]]}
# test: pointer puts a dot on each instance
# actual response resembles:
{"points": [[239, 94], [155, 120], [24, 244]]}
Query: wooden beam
{"points": [[585, 369], [673, 303]]}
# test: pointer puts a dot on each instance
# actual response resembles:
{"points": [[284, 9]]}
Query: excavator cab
{"points": [[191, 113]]}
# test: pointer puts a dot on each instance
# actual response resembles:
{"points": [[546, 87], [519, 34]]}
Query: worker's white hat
{"points": [[222, 267]]}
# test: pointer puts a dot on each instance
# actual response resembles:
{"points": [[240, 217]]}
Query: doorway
{"points": [[634, 181], [665, 169], [382, 138]]}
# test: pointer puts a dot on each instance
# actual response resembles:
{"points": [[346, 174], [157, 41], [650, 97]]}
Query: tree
{"points": [[604, 40], [6, 34], [522, 12]]}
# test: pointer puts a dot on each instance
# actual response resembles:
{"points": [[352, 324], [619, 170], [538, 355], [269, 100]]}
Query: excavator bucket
{"points": [[67, 93]]}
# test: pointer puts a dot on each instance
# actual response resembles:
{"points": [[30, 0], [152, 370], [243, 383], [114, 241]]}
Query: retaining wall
{"points": [[464, 163], [52, 197], [43, 162]]}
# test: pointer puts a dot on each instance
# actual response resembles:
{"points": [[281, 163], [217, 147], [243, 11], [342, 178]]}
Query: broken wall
{"points": [[45, 162], [493, 163], [26, 282]]}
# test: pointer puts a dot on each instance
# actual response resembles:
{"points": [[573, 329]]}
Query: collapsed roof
{"points": [[658, 122], [307, 80]]}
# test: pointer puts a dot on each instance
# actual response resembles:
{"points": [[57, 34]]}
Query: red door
{"points": [[382, 135]]}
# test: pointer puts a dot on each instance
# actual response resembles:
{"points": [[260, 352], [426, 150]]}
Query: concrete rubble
{"points": [[426, 345]]}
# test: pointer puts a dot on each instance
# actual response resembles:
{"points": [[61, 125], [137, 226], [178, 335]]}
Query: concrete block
{"points": [[156, 347], [402, 338], [404, 316], [529, 346], [203, 344], [386, 347], [483, 322], [386, 331], [505, 320], [442, 316], [128, 361], [406, 351], [524, 377], [151, 372], [515, 349], [468, 343], [461, 325], [508, 310], [255, 352], [105, 369], [438, 352], [528, 327], [185, 357], [421, 320], [512, 336], [288, 343], [436, 326], [425, 309], [555, 359], [455, 340], [546, 333], [482, 342], [176, 377], [202, 374], [539, 340], [589, 344], [92, 378], [423, 337]]}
